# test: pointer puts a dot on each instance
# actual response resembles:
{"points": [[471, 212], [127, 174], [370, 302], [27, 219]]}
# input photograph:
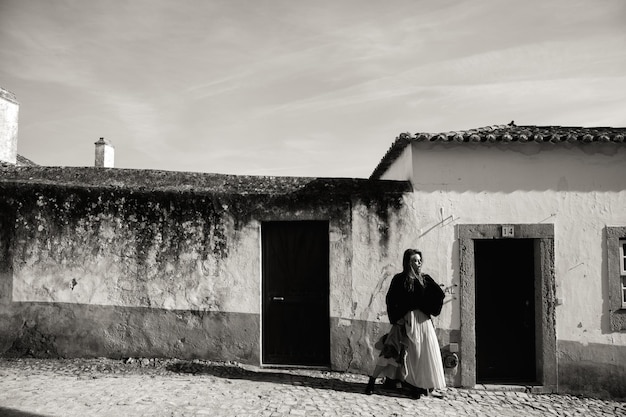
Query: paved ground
{"points": [[104, 387]]}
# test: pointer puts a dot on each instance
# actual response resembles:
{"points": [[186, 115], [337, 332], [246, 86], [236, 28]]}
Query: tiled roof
{"points": [[7, 95], [23, 161], [20, 161], [505, 134]]}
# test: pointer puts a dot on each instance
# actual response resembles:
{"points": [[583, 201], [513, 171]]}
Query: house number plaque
{"points": [[508, 231]]}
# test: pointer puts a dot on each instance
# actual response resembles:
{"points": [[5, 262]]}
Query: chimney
{"points": [[105, 154], [9, 109]]}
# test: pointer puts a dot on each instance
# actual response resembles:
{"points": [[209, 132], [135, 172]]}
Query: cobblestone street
{"points": [[104, 387]]}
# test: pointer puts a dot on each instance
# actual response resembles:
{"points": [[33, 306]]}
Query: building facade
{"points": [[528, 226], [524, 227], [136, 263]]}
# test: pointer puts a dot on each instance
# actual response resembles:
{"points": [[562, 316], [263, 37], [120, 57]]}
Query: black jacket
{"points": [[401, 300]]}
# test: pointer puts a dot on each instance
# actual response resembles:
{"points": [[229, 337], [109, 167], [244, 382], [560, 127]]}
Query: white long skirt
{"points": [[423, 367]]}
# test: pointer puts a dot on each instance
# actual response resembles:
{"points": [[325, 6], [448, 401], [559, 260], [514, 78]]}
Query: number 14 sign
{"points": [[508, 231]]}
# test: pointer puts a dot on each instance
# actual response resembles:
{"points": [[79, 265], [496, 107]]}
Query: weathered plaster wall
{"points": [[378, 242], [132, 250], [596, 368], [578, 188], [377, 256], [156, 271], [131, 270]]}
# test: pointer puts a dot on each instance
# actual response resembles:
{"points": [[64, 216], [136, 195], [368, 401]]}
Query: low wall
{"points": [[91, 272], [126, 263]]}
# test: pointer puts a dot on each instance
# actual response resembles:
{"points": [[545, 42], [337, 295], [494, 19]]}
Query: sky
{"points": [[299, 88]]}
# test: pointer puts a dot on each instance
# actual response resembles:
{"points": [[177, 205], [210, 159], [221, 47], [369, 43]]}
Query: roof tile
{"points": [[505, 134]]}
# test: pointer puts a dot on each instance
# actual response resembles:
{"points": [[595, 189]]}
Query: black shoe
{"points": [[369, 389], [390, 383], [416, 393]]}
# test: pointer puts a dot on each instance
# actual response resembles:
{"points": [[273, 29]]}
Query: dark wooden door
{"points": [[505, 311], [295, 324]]}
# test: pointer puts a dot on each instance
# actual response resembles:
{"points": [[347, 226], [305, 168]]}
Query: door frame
{"points": [[545, 299]]}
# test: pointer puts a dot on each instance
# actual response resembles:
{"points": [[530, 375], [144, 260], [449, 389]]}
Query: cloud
{"points": [[264, 86]]}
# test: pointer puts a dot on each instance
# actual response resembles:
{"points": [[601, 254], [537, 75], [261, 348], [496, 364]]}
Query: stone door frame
{"points": [[545, 300]]}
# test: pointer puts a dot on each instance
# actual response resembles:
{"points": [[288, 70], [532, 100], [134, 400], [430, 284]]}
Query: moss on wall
{"points": [[114, 246]]}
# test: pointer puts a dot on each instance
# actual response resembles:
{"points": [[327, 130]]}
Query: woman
{"points": [[412, 298]]}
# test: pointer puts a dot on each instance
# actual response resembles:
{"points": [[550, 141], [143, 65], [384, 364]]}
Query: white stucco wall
{"points": [[376, 258], [402, 167], [164, 274], [127, 270], [578, 188], [9, 109]]}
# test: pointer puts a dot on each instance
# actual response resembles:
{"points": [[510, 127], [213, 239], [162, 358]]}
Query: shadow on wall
{"points": [[481, 167], [605, 320]]}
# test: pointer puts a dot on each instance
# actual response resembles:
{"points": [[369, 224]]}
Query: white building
{"points": [[526, 227]]}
